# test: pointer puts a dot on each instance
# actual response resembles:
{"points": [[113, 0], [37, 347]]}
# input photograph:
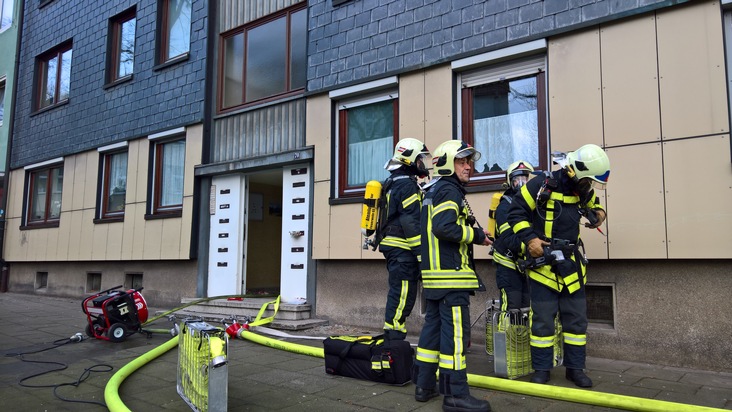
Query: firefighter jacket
{"points": [[404, 202], [507, 246], [447, 241], [549, 208]]}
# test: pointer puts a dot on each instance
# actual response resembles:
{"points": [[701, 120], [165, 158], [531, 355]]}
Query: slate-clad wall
{"points": [[362, 39], [154, 100]]}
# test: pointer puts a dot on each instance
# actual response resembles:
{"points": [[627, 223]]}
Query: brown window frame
{"points": [[115, 47], [358, 190], [41, 68], [289, 91], [157, 168], [164, 39], [32, 176], [499, 177]]}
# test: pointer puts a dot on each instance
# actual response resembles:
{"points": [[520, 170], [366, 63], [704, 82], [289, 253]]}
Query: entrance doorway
{"points": [[264, 243]]}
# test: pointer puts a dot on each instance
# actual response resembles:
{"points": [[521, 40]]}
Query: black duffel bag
{"points": [[369, 358]]}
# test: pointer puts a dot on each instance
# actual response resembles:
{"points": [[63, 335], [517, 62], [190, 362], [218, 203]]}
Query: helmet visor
{"points": [[469, 152], [518, 181]]}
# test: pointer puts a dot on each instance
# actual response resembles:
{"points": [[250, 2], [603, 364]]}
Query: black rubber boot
{"points": [[579, 378], [423, 395], [465, 403], [541, 377]]}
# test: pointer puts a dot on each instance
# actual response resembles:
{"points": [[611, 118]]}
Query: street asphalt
{"points": [[42, 369]]}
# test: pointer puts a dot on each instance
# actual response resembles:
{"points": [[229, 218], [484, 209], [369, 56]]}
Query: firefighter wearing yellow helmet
{"points": [[546, 217], [448, 279], [512, 285], [398, 232]]}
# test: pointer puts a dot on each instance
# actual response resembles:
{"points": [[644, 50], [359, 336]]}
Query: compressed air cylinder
{"points": [[370, 211], [495, 200]]}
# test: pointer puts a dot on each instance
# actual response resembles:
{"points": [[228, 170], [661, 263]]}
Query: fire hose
{"points": [[583, 396]]}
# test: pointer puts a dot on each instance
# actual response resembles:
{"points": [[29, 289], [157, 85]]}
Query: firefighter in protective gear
{"points": [[400, 227], [512, 285], [448, 280], [546, 217]]}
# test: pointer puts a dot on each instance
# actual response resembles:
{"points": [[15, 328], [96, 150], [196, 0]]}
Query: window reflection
{"points": [[179, 27]]}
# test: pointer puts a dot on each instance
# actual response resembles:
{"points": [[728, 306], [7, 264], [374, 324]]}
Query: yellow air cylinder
{"points": [[495, 200], [370, 211]]}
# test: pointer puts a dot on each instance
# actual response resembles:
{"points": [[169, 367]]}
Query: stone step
{"points": [[277, 323], [247, 308]]}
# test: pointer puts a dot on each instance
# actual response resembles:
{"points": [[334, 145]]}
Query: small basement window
{"points": [[601, 304]]}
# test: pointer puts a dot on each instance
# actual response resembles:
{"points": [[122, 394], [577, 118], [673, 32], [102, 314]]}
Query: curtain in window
{"points": [[38, 196], [366, 160], [505, 139], [117, 182], [57, 179], [174, 154]]}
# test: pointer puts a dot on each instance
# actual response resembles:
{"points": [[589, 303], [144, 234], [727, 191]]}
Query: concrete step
{"points": [[248, 309], [277, 323]]}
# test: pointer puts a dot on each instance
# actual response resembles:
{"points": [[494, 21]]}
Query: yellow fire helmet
{"points": [[443, 160], [519, 168], [409, 152], [589, 161]]}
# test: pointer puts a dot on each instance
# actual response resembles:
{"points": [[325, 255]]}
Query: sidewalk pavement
{"points": [[261, 378]]}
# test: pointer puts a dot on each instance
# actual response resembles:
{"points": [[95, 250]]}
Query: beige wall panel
{"points": [[412, 105], [698, 212], [99, 247], [114, 240], [52, 239], [133, 168], [87, 235], [15, 194], [153, 238], [193, 156], [575, 101], [64, 237], [321, 220], [438, 100], [345, 231], [595, 243], [74, 170], [186, 228], [630, 82], [170, 248], [318, 134], [691, 69], [75, 235], [12, 248], [38, 244], [90, 178], [132, 246], [635, 203], [142, 150]]}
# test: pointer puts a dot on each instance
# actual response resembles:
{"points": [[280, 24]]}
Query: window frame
{"points": [[42, 62], [105, 162], [164, 39], [243, 30], [114, 48], [495, 179], [156, 168], [31, 177], [343, 190]]}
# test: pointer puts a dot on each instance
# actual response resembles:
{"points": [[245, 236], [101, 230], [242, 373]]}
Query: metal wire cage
{"points": [[510, 334], [202, 366], [491, 306]]}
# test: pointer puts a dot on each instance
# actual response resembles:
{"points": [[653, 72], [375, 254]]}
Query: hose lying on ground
{"points": [[583, 396]]}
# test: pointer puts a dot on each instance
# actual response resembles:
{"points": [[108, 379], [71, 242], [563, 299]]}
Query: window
{"points": [[176, 29], [601, 304], [169, 166], [114, 184], [367, 133], [264, 59], [133, 281], [2, 100], [6, 14], [54, 76], [504, 117], [41, 281], [93, 282], [44, 195], [122, 46]]}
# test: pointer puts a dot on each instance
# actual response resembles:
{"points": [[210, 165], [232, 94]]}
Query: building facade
{"points": [[109, 124], [646, 80]]}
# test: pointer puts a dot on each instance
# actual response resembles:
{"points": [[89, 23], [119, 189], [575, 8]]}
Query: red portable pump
{"points": [[114, 314]]}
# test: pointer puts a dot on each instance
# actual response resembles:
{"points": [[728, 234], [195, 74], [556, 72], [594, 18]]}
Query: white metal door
{"points": [[295, 223], [227, 238]]}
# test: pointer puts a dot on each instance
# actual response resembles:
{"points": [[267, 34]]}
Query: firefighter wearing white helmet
{"points": [[512, 285], [398, 232], [546, 217], [448, 279]]}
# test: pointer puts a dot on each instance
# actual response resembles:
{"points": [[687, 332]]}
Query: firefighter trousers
{"points": [[514, 288], [572, 309], [404, 272], [442, 343]]}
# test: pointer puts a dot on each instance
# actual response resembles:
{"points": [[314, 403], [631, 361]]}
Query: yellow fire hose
{"points": [[584, 396]]}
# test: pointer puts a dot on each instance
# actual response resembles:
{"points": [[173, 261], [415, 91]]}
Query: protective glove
{"points": [[536, 247], [600, 214]]}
